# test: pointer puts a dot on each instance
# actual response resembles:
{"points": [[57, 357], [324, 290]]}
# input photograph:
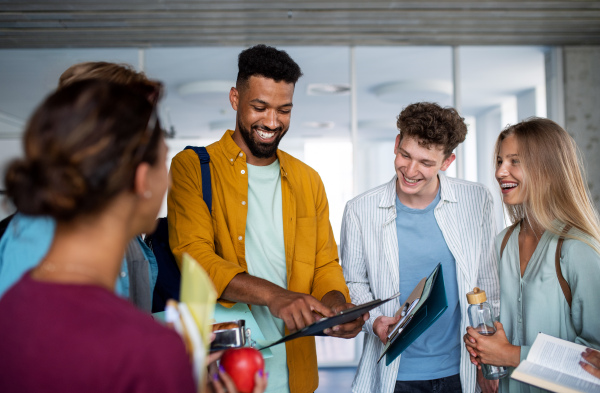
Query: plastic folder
{"points": [[431, 306]]}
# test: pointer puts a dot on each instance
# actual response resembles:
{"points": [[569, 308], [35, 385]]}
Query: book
{"points": [[553, 364], [192, 317], [199, 295], [426, 303]]}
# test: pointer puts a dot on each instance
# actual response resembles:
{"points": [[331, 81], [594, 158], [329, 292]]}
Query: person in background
{"points": [[27, 239], [396, 234], [95, 162], [545, 194], [268, 241]]}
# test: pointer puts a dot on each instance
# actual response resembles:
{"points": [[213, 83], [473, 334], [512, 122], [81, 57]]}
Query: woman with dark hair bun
{"points": [[95, 161], [25, 239]]}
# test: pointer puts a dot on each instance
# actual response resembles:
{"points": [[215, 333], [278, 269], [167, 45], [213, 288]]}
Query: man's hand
{"points": [[486, 385], [592, 356], [383, 326], [337, 302], [296, 309]]}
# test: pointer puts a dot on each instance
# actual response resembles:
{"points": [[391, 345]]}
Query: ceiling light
{"points": [[435, 90], [327, 89]]}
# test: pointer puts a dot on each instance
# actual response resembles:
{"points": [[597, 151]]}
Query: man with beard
{"points": [[268, 241]]}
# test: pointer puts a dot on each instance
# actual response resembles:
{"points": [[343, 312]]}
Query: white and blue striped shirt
{"points": [[369, 254]]}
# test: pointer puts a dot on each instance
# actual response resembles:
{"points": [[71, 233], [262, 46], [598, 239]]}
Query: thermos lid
{"points": [[476, 297]]}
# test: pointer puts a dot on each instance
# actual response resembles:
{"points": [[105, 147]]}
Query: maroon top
{"points": [[82, 338]]}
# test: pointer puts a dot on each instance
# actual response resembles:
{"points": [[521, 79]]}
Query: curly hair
{"points": [[431, 125], [269, 62]]}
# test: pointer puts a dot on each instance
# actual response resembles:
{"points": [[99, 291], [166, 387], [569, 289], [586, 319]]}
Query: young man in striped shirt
{"points": [[395, 234]]}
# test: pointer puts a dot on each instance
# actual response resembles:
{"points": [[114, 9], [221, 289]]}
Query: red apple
{"points": [[241, 364]]}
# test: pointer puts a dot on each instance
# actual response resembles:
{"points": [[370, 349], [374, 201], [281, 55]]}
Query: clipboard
{"points": [[431, 305], [316, 329]]}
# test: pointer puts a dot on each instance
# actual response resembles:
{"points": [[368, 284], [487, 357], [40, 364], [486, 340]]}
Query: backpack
{"points": [[168, 282]]}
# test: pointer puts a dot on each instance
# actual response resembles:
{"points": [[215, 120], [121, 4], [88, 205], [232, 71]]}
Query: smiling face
{"points": [[509, 173], [417, 169], [264, 109]]}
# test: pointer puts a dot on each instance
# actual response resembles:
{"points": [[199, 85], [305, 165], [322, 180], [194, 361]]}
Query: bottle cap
{"points": [[476, 297]]}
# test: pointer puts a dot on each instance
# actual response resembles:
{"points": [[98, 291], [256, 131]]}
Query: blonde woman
{"points": [[545, 194]]}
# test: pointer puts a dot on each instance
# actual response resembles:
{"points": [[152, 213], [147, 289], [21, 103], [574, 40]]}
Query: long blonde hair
{"points": [[555, 191]]}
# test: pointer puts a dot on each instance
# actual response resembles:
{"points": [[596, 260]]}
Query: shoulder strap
{"points": [[204, 158], [506, 237], [564, 285]]}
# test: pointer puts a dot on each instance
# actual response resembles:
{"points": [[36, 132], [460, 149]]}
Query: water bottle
{"points": [[482, 320]]}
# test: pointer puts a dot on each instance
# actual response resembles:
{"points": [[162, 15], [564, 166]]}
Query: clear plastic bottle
{"points": [[482, 320]]}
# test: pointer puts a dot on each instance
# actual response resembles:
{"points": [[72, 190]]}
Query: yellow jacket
{"points": [[217, 241]]}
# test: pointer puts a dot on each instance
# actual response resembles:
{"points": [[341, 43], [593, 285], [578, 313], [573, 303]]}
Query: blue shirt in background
{"points": [[26, 242], [436, 353]]}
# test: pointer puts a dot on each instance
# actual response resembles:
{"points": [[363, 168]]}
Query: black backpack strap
{"points": [[204, 158]]}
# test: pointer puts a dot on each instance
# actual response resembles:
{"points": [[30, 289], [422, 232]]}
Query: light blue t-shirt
{"points": [[26, 242], [265, 257], [436, 353]]}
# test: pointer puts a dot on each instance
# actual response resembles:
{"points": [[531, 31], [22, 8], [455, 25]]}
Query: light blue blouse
{"points": [[27, 240], [535, 302]]}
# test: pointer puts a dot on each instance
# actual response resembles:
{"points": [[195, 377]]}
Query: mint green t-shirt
{"points": [[265, 257]]}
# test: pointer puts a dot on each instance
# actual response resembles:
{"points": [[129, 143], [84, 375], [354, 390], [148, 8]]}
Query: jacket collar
{"points": [[230, 149], [233, 152], [446, 193], [388, 199]]}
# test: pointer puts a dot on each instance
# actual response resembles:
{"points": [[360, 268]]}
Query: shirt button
{"points": [[231, 159], [239, 238], [243, 202], [243, 171], [123, 274], [241, 154]]}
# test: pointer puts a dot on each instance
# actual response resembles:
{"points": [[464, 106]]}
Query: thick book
{"points": [[553, 364]]}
